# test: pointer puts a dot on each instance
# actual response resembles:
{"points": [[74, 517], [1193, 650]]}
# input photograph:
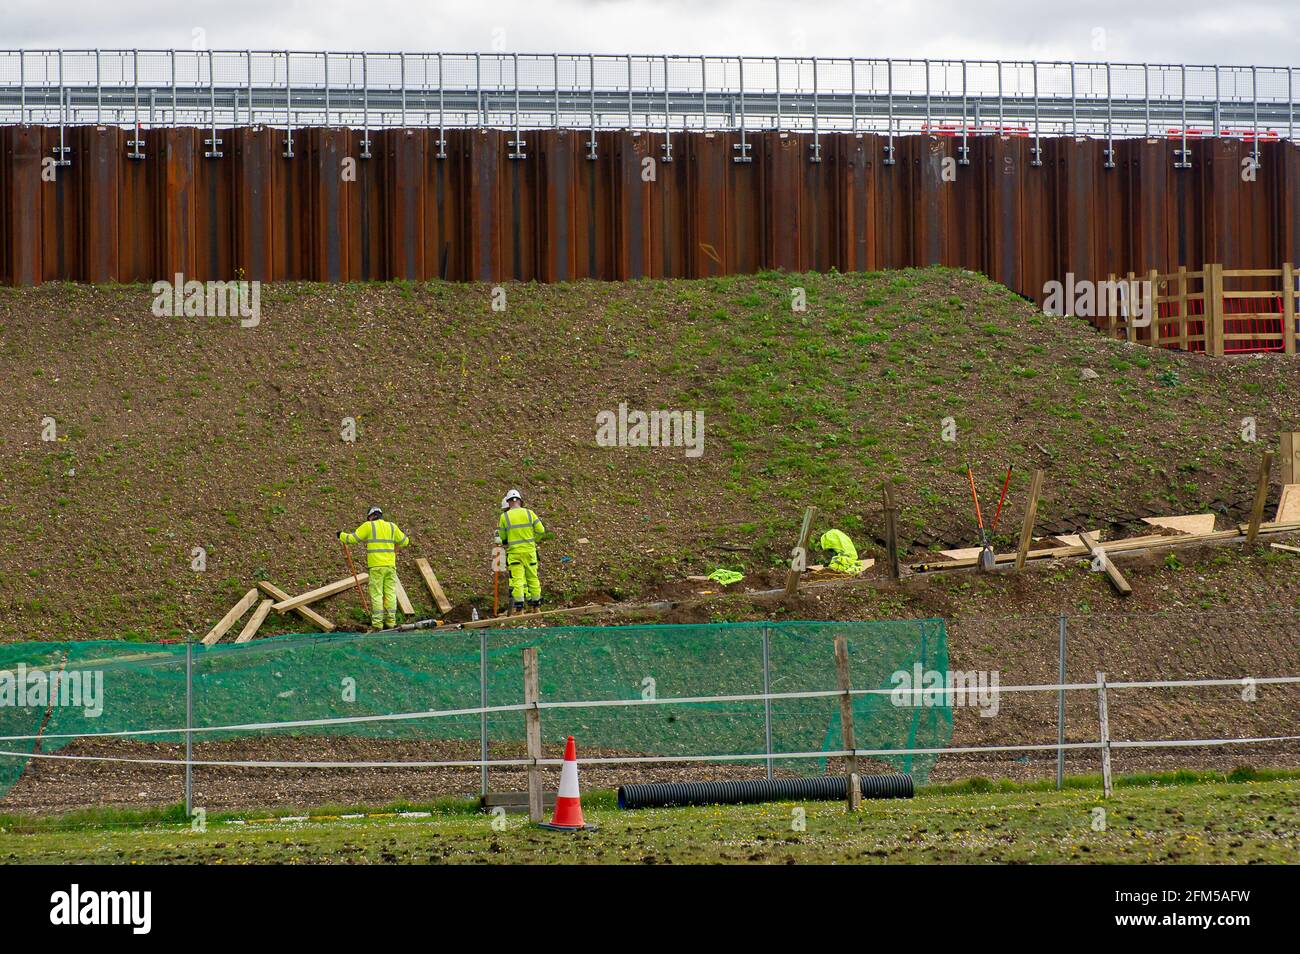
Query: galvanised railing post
{"points": [[742, 147], [442, 128], [213, 143], [668, 142], [1183, 157], [516, 144], [889, 120], [288, 108], [1037, 151], [816, 143], [365, 106], [1110, 130], [964, 159], [591, 76]]}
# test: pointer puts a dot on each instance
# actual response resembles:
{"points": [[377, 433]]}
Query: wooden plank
{"points": [[525, 617], [964, 553], [1072, 539], [533, 734], [313, 596], [1261, 496], [435, 588], [1112, 571], [1184, 523], [1031, 514], [404, 601], [1288, 506], [254, 621], [1283, 546], [227, 621], [853, 790], [306, 612], [799, 554]]}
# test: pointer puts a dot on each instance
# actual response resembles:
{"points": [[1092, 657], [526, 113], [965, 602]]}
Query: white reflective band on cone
{"points": [[569, 781]]}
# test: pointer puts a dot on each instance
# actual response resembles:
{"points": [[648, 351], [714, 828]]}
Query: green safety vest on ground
{"points": [[382, 538], [846, 554]]}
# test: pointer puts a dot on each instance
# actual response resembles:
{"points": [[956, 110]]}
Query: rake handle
{"points": [[365, 602]]}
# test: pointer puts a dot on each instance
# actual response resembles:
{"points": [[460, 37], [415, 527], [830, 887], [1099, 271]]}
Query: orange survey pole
{"points": [[365, 603]]}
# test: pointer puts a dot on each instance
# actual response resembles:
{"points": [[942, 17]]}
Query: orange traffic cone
{"points": [[568, 803]]}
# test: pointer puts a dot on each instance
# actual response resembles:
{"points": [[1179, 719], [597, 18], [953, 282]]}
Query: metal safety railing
{"points": [[517, 91]]}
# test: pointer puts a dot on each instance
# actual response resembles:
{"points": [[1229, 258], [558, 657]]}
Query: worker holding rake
{"points": [[382, 538], [518, 531]]}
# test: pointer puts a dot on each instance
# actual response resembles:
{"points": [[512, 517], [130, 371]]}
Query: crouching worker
{"points": [[843, 554], [518, 531], [382, 538]]}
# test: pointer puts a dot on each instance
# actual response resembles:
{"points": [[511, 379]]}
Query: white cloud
{"points": [[1194, 31]]}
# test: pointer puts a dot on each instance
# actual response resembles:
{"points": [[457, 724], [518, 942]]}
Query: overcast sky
{"points": [[1266, 32]]}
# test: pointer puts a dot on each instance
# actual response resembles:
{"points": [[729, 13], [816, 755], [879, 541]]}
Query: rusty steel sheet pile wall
{"points": [[328, 214]]}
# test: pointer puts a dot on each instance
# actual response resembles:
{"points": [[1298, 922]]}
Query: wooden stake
{"points": [[799, 555], [1153, 278], [435, 588], [1290, 457], [227, 621], [1261, 497], [533, 735], [1182, 307], [1105, 733], [1112, 571], [312, 596], [1288, 308], [853, 789], [254, 621], [1213, 287], [306, 612], [1031, 514], [891, 531]]}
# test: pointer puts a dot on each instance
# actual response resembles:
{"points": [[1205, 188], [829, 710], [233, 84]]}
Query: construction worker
{"points": [[517, 531], [382, 538], [844, 555]]}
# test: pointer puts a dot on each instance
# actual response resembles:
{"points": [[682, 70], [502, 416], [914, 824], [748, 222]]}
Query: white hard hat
{"points": [[511, 494], [374, 512]]}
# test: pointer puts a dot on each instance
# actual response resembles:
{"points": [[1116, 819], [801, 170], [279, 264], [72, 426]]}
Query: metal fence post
{"points": [[742, 147], [214, 144], [889, 121], [365, 107], [1060, 706], [189, 728], [767, 702], [816, 143], [1037, 151], [482, 716], [516, 144], [1104, 718]]}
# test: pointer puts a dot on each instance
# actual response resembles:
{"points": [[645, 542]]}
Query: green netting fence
{"points": [[310, 677]]}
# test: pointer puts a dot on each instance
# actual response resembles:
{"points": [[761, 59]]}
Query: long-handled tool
{"points": [[365, 603], [987, 559]]}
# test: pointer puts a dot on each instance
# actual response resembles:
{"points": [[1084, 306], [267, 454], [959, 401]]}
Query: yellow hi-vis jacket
{"points": [[518, 529], [382, 538]]}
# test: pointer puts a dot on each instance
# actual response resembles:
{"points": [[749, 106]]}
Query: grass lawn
{"points": [[1218, 822]]}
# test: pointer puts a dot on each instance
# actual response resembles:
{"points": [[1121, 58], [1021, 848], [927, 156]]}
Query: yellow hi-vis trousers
{"points": [[383, 596], [524, 581]]}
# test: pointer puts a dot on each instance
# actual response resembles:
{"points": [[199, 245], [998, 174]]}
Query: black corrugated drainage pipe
{"points": [[821, 787]]}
